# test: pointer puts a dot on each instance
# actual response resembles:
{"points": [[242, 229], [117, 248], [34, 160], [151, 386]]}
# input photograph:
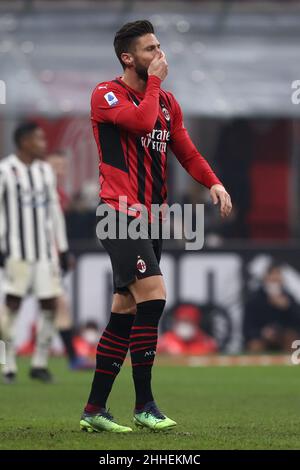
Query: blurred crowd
{"points": [[271, 323]]}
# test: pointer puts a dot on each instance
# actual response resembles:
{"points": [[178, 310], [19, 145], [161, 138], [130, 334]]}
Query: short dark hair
{"points": [[23, 130], [126, 36]]}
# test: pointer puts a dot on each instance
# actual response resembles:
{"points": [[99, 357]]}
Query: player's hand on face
{"points": [[159, 66], [219, 194]]}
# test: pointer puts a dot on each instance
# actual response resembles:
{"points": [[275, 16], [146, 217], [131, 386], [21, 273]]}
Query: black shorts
{"points": [[130, 259]]}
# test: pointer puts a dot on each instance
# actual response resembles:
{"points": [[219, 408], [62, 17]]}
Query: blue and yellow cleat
{"points": [[102, 421], [150, 417]]}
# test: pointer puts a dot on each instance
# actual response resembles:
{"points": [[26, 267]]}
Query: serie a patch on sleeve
{"points": [[111, 98]]}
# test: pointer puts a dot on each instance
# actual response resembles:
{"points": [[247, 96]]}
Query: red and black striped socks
{"points": [[123, 330], [111, 352], [143, 342]]}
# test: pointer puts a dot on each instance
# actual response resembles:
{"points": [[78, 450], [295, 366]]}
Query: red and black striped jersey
{"points": [[133, 131]]}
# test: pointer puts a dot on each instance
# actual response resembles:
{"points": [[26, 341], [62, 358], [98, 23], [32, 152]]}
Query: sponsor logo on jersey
{"points": [[156, 140], [111, 98]]}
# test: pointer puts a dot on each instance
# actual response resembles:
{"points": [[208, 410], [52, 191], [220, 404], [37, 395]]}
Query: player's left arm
{"points": [[194, 163]]}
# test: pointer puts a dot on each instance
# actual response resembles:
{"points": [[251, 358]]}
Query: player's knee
{"points": [[150, 288], [153, 294], [155, 289], [158, 293], [131, 309], [117, 308], [123, 304], [125, 310]]}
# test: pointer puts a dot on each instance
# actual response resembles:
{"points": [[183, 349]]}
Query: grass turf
{"points": [[215, 408]]}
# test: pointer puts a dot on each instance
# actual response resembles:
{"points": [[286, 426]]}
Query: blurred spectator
{"points": [[86, 341], [272, 320], [186, 336], [58, 161]]}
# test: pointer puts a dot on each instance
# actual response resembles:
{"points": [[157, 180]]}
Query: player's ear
{"points": [[127, 58]]}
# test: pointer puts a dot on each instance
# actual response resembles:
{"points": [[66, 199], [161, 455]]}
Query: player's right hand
{"points": [[219, 193], [159, 66]]}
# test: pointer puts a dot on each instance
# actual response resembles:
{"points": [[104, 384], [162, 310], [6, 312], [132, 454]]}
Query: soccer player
{"points": [[134, 122], [32, 235]]}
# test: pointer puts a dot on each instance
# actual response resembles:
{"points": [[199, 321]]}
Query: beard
{"points": [[142, 72]]}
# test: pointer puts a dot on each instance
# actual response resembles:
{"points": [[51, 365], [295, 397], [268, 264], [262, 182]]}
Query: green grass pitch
{"points": [[215, 408]]}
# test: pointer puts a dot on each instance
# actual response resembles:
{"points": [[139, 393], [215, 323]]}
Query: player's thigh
{"points": [[123, 303], [17, 277], [47, 281], [148, 288]]}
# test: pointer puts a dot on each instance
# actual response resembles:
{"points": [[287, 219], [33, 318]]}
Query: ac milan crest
{"points": [[141, 265], [166, 113]]}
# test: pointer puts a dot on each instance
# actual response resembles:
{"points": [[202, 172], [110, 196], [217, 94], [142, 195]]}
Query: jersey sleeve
{"points": [[186, 152], [111, 105]]}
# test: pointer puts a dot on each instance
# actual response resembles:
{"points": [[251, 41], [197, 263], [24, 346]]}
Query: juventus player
{"points": [[134, 122], [32, 231]]}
